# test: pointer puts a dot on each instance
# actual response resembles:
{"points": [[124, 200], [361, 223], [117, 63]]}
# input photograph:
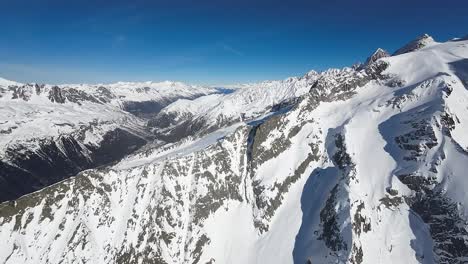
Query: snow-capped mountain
{"points": [[356, 165], [418, 43], [50, 132], [207, 113]]}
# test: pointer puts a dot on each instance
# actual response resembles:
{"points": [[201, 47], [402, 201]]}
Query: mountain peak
{"points": [[378, 54], [416, 44]]}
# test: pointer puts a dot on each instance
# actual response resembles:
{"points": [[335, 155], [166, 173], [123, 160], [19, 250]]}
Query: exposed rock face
{"points": [[55, 95], [20, 93], [416, 44], [368, 166], [378, 54]]}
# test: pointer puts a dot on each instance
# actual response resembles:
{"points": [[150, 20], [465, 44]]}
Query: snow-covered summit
{"points": [[115, 92], [378, 54]]}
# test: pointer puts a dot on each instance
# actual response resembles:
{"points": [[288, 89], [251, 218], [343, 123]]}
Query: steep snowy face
{"points": [[50, 132], [367, 166]]}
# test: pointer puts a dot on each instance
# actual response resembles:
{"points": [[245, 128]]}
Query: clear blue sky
{"points": [[207, 42]]}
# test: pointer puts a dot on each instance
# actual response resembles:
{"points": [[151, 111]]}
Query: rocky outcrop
{"points": [[378, 54], [414, 45], [55, 95]]}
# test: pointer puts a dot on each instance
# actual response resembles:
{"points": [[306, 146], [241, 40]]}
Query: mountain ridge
{"points": [[366, 165]]}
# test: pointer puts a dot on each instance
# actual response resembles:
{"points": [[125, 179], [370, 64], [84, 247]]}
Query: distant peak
{"points": [[416, 44], [378, 54], [379, 50], [311, 73]]}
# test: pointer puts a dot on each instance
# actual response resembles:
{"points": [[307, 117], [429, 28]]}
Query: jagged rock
{"points": [[55, 95], [416, 44], [378, 54]]}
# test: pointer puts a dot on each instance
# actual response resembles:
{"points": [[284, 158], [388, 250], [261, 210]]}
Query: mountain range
{"points": [[364, 164]]}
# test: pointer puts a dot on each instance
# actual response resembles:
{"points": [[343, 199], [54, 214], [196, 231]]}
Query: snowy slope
{"points": [[246, 102], [367, 166], [48, 133], [250, 100], [35, 111], [5, 82]]}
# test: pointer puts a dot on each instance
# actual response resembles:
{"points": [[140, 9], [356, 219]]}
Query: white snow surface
{"points": [[23, 122], [153, 205], [247, 101], [5, 82]]}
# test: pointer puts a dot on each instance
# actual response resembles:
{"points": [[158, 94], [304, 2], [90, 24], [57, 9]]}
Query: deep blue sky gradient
{"points": [[207, 42]]}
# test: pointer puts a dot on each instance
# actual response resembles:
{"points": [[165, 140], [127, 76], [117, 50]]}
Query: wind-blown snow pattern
{"points": [[366, 165]]}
